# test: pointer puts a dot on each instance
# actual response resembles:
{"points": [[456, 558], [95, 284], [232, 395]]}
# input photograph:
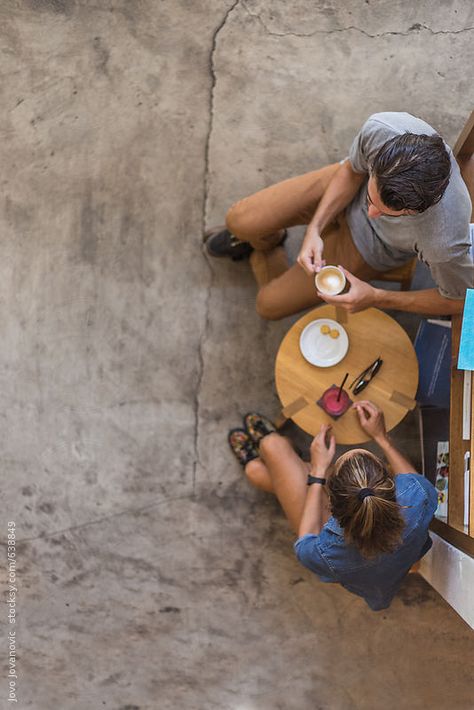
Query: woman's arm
{"points": [[372, 421], [315, 511], [398, 462]]}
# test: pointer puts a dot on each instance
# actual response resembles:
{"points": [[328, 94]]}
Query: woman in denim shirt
{"points": [[380, 517]]}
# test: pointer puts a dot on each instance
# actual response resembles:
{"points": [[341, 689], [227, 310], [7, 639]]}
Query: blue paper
{"points": [[466, 346], [433, 350]]}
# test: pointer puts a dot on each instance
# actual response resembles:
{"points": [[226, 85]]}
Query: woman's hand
{"points": [[311, 252], [371, 419], [322, 452]]}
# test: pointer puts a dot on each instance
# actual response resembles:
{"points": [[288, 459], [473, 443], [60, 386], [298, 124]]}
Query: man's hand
{"points": [[371, 419], [311, 253], [361, 295], [322, 452]]}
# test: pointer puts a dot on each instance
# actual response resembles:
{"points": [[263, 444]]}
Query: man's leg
{"points": [[287, 473], [261, 218], [268, 265]]}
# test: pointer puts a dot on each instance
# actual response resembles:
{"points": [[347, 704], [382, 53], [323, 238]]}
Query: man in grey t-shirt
{"points": [[398, 195]]}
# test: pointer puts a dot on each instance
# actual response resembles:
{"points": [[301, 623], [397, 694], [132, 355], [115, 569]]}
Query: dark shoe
{"points": [[223, 243], [220, 242], [258, 426], [242, 446]]}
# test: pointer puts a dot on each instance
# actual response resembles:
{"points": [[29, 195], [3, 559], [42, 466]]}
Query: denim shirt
{"points": [[378, 579]]}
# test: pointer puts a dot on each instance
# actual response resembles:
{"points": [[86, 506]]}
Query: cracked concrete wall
{"points": [[151, 575]]}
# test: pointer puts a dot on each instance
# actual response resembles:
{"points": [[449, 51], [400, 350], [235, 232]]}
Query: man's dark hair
{"points": [[411, 171]]}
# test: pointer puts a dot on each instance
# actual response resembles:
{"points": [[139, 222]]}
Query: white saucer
{"points": [[322, 350]]}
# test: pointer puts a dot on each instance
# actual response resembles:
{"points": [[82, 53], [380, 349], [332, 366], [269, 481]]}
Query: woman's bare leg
{"points": [[258, 475], [281, 471], [288, 474]]}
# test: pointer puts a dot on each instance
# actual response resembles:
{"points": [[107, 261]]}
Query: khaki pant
{"points": [[260, 219]]}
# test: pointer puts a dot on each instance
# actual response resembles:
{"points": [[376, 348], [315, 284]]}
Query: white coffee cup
{"points": [[330, 281]]}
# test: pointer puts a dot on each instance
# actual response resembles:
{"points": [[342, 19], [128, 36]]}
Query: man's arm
{"points": [[363, 295], [427, 302], [343, 187]]}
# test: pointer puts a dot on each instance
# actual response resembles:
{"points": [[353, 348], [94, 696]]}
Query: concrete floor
{"points": [[150, 575]]}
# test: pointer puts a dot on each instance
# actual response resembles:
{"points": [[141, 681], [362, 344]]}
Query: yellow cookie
{"points": [[325, 329], [334, 333]]}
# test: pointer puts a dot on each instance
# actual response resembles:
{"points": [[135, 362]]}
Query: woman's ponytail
{"points": [[363, 500]]}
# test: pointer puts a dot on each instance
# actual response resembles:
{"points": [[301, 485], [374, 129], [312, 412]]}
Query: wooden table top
{"points": [[372, 333]]}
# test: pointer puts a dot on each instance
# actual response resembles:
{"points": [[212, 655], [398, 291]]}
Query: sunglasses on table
{"points": [[363, 379]]}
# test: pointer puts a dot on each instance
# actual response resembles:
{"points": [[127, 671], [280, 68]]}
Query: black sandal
{"points": [[258, 426], [242, 446]]}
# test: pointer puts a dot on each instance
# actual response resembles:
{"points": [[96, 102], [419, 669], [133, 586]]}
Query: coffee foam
{"points": [[330, 280]]}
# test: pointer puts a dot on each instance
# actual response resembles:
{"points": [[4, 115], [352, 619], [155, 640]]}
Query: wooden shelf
{"points": [[454, 536], [457, 446], [454, 530]]}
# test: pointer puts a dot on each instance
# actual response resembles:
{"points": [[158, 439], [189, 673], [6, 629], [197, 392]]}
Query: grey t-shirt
{"points": [[440, 236]]}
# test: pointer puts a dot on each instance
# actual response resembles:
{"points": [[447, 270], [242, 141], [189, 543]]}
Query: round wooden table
{"points": [[372, 333]]}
